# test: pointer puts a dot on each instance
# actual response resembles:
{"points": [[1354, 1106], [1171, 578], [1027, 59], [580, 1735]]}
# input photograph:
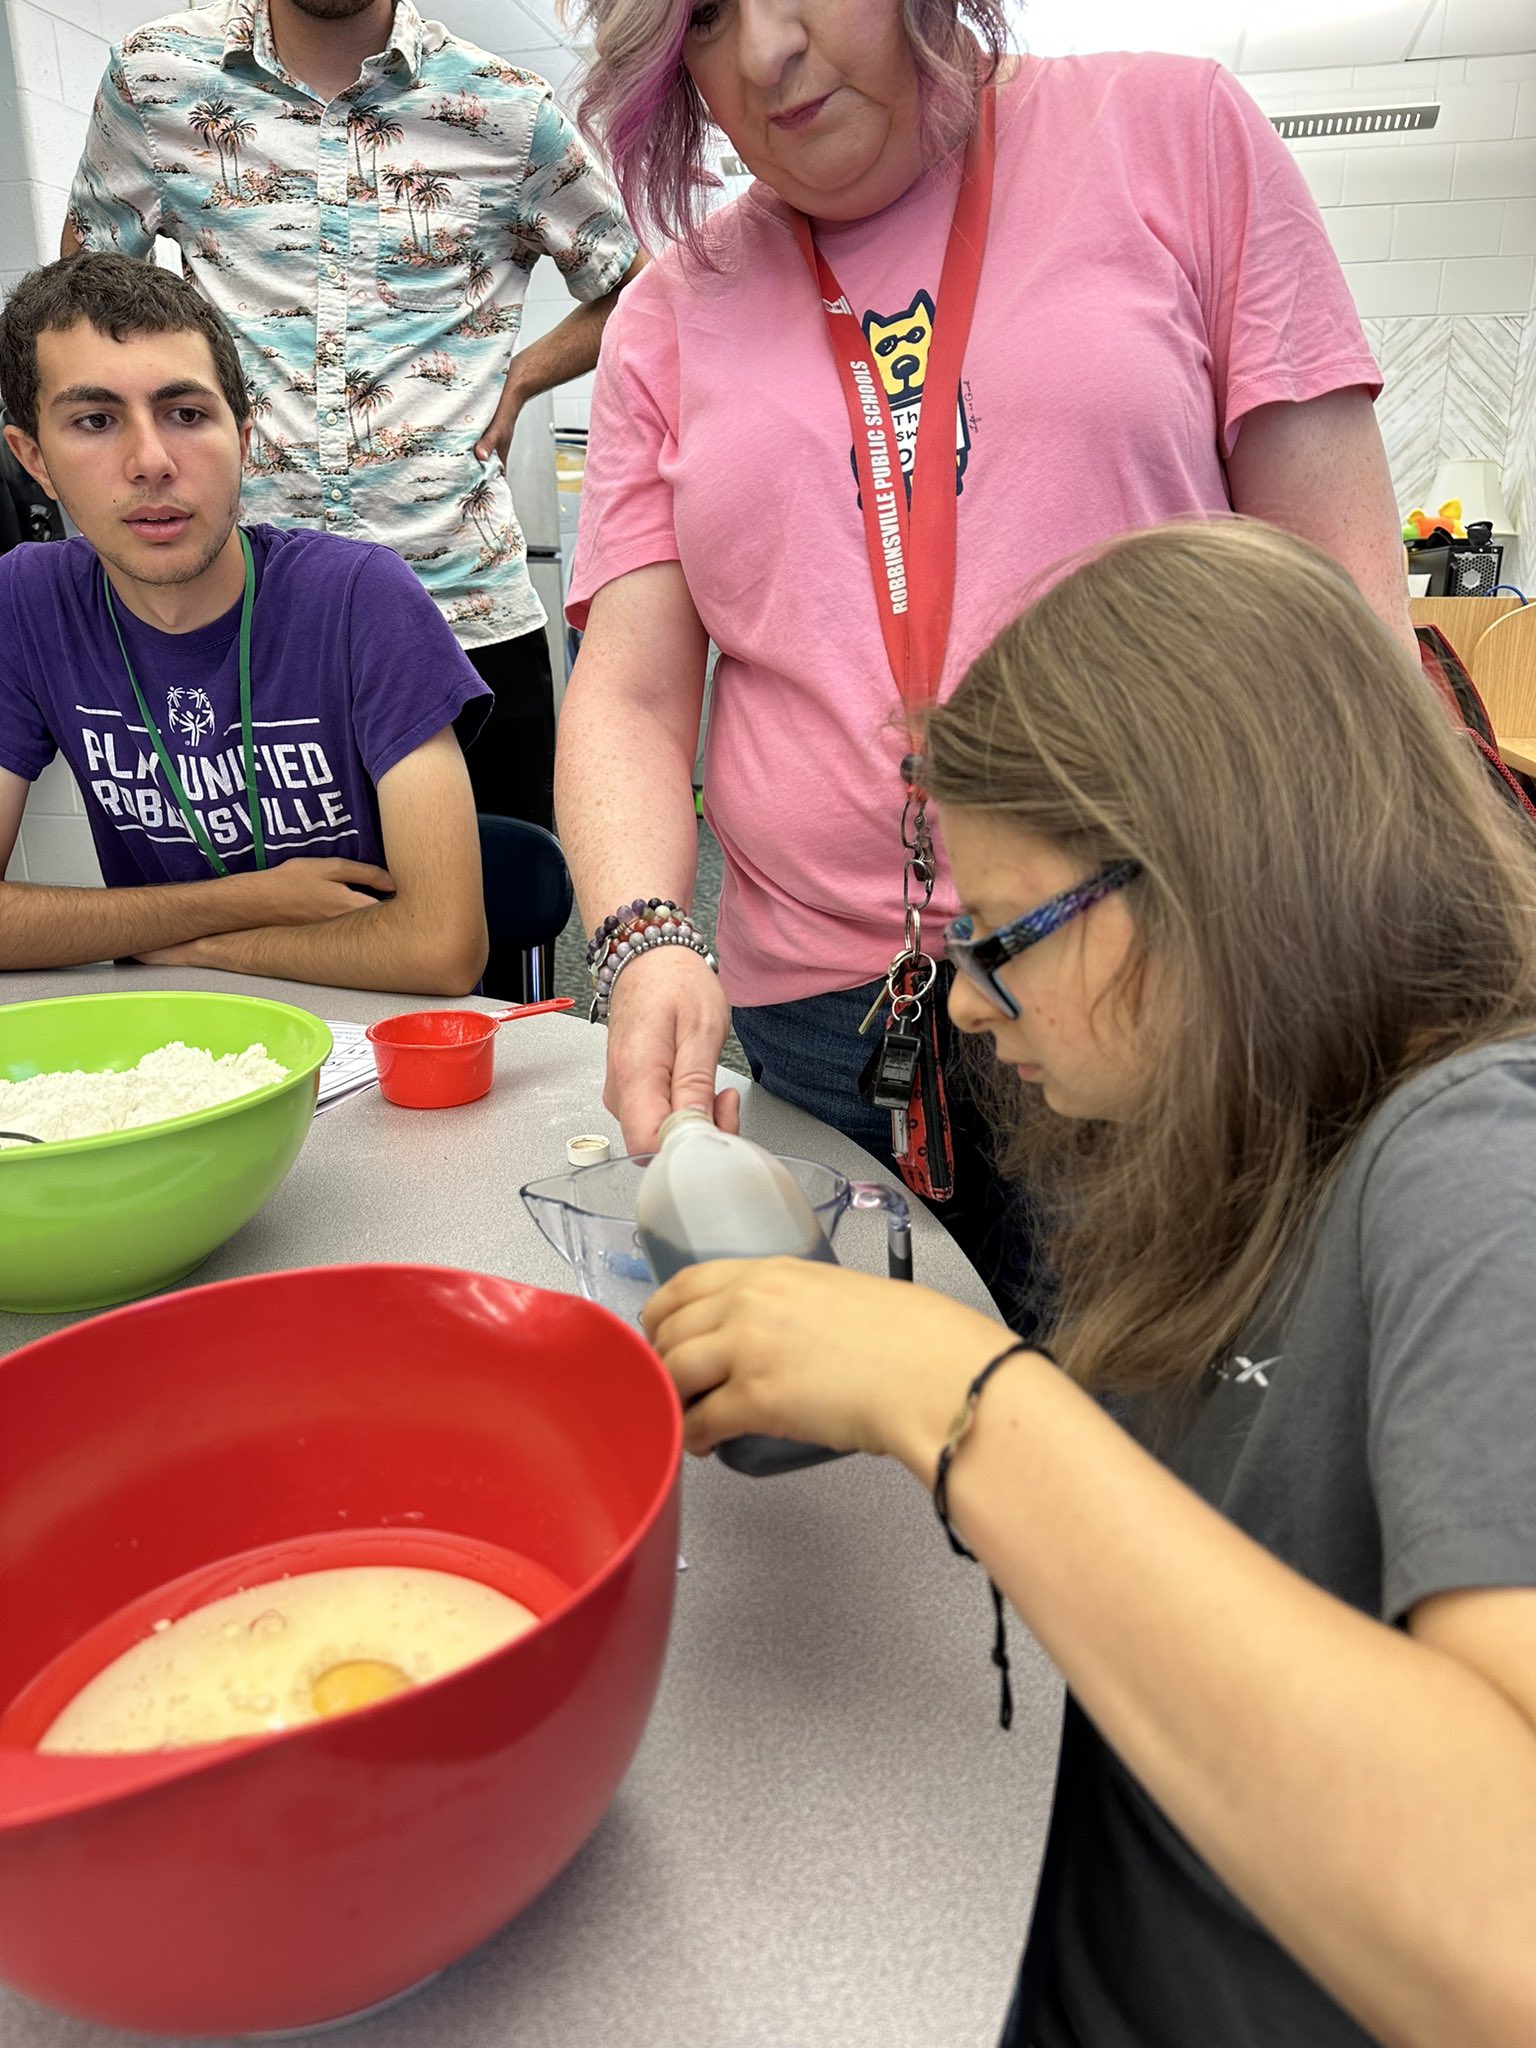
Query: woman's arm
{"points": [[1370, 1795], [1319, 470], [624, 797]]}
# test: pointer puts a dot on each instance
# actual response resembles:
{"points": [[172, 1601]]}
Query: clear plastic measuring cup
{"points": [[588, 1215]]}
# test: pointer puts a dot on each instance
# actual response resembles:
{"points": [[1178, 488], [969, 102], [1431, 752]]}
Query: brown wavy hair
{"points": [[637, 102], [1332, 899], [118, 296]]}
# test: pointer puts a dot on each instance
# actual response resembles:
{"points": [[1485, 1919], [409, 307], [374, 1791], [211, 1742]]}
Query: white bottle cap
{"points": [[586, 1151]]}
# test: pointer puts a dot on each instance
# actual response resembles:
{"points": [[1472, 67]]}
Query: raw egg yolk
{"points": [[357, 1683]]}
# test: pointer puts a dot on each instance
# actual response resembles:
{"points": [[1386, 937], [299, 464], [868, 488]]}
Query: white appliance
{"points": [[538, 502]]}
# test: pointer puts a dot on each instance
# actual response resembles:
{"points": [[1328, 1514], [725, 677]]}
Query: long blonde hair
{"points": [[1332, 898]]}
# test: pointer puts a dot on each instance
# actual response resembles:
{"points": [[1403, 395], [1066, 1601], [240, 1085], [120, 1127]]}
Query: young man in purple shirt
{"points": [[260, 720]]}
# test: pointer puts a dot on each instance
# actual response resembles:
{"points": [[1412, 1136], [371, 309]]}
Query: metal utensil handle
{"points": [[865, 1194]]}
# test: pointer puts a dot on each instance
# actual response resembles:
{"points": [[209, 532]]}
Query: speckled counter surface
{"points": [[824, 1840]]}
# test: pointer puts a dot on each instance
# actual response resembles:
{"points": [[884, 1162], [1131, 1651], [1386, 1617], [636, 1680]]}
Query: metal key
{"points": [[887, 995]]}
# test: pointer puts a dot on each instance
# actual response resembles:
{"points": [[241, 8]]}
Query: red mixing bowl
{"points": [[345, 1414]]}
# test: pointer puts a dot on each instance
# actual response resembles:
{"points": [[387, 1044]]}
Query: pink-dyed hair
{"points": [[641, 107]]}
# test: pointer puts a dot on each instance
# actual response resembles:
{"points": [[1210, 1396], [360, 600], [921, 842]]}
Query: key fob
{"points": [[895, 1069]]}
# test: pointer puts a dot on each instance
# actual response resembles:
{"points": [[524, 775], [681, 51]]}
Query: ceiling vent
{"points": [[1356, 121]]}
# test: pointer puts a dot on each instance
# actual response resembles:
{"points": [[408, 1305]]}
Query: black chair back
{"points": [[528, 898]]}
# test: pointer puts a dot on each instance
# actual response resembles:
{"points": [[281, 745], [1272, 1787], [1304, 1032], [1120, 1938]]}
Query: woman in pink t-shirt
{"points": [[1160, 329]]}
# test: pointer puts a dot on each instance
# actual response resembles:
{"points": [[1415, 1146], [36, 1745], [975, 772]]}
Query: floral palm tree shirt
{"points": [[372, 256]]}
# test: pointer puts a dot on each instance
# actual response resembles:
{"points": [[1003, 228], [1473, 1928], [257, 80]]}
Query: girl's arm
{"points": [[1370, 1795]]}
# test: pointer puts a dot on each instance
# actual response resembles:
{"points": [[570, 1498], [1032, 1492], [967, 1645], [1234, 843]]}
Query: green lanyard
{"points": [[247, 751]]}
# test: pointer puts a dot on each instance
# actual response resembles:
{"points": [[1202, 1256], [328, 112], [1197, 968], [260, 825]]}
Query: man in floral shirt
{"points": [[364, 196]]}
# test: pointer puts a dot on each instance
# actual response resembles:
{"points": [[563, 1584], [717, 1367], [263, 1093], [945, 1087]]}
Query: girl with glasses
{"points": [[1254, 948]]}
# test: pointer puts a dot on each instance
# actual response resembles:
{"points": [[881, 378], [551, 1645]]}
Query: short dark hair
{"points": [[118, 296]]}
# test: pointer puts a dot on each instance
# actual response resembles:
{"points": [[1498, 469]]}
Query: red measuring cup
{"points": [[436, 1059]]}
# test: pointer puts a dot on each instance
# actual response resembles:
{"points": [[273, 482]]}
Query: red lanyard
{"points": [[912, 550]]}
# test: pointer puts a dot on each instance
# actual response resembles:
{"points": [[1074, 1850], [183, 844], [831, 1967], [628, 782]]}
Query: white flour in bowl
{"points": [[173, 1080]]}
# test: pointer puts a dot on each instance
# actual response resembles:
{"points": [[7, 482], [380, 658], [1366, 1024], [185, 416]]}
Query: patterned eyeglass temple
{"points": [[979, 959]]}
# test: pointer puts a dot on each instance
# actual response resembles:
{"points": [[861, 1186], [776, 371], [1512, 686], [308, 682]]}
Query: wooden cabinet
{"points": [[1496, 639], [1463, 620]]}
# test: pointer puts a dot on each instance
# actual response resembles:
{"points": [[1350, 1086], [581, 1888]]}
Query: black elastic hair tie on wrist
{"points": [[959, 1429]]}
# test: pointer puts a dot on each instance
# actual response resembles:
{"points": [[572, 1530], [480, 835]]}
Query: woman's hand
{"points": [[791, 1347], [666, 1024]]}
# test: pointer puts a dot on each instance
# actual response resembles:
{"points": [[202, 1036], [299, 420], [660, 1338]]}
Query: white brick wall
{"points": [[1438, 221], [55, 843], [1519, 228], [1438, 228]]}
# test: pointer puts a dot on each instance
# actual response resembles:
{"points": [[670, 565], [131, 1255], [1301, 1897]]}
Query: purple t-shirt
{"points": [[352, 668]]}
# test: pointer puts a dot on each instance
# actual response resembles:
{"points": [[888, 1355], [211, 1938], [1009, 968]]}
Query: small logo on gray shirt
{"points": [[1244, 1371]]}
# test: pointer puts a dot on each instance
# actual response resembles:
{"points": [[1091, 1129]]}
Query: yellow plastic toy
{"points": [[1420, 525]]}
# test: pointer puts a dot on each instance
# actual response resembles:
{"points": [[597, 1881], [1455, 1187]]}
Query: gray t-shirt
{"points": [[1378, 1434]]}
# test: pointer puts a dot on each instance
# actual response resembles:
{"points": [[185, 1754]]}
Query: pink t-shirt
{"points": [[1155, 268]]}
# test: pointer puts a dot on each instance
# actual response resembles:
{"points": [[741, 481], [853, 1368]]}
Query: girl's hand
{"points": [[791, 1347]]}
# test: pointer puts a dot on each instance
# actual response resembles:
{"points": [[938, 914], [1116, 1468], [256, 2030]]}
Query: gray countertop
{"points": [[824, 1841]]}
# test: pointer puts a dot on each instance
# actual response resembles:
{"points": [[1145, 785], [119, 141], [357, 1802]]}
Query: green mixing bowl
{"points": [[90, 1221]]}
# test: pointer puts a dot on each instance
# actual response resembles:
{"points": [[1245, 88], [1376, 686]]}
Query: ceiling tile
{"points": [[1065, 28], [544, 20], [492, 24], [1378, 32], [1486, 30], [1260, 35], [1427, 43]]}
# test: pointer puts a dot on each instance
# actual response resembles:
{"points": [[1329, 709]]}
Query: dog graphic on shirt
{"points": [[900, 343]]}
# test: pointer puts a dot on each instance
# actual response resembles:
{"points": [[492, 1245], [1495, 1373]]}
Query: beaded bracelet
{"points": [[635, 928], [628, 919], [602, 1000], [959, 1430]]}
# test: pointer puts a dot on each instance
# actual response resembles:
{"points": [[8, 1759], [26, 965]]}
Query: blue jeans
{"points": [[810, 1053]]}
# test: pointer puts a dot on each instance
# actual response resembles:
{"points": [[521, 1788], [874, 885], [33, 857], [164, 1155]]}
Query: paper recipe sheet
{"points": [[350, 1068]]}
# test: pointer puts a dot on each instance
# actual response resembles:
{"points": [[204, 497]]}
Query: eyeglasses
{"points": [[979, 959]]}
